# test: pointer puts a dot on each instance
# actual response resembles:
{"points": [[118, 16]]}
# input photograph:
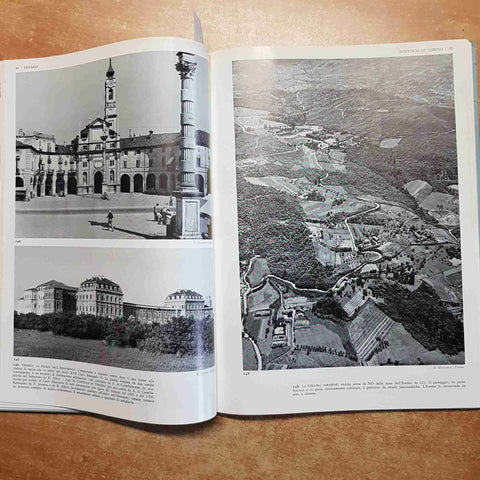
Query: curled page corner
{"points": [[197, 29]]}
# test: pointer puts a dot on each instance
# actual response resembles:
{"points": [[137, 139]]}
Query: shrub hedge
{"points": [[182, 335]]}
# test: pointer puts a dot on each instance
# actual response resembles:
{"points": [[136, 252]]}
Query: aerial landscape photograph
{"points": [[348, 212]]}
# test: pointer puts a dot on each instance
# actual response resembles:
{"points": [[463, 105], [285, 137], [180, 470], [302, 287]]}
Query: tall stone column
{"points": [[187, 194], [106, 176]]}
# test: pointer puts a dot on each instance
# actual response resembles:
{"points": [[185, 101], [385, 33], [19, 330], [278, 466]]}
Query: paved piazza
{"points": [[70, 203], [78, 216]]}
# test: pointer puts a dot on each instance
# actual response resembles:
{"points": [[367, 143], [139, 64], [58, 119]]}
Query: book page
{"points": [[107, 295], [348, 228]]}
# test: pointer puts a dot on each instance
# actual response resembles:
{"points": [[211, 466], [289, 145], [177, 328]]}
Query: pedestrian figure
{"points": [[110, 221], [155, 213], [163, 213]]}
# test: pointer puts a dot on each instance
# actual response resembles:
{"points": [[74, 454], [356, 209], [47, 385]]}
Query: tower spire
{"points": [[111, 99], [110, 71]]}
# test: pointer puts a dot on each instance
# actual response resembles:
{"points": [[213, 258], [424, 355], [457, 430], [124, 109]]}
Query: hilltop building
{"points": [[99, 160], [102, 297]]}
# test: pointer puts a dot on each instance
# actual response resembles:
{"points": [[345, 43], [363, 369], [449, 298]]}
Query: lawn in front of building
{"points": [[32, 343]]}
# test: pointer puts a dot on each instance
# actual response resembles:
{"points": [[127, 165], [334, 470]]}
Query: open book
{"points": [[254, 231]]}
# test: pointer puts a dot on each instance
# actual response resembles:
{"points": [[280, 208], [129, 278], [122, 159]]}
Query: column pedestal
{"points": [[188, 218]]}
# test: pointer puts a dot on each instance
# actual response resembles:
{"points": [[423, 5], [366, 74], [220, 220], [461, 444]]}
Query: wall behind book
{"points": [[43, 28]]}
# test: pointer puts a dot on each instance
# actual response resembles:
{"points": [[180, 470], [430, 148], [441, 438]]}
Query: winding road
{"points": [[376, 206], [352, 236], [373, 206]]}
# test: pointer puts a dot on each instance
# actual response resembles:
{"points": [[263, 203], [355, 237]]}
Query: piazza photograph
{"points": [[114, 149], [348, 212], [146, 309]]}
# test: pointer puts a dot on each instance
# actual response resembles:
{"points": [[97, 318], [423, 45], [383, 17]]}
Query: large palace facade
{"points": [[99, 160], [101, 297]]}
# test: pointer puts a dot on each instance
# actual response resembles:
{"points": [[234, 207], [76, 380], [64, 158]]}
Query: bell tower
{"points": [[111, 98]]}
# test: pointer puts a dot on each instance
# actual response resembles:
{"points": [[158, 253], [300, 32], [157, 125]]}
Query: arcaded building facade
{"points": [[98, 160]]}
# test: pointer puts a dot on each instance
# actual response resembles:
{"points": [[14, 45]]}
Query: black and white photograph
{"points": [[348, 211], [114, 149], [138, 308]]}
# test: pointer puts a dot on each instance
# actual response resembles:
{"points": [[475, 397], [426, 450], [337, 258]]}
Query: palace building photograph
{"points": [[142, 308], [142, 152], [102, 297]]}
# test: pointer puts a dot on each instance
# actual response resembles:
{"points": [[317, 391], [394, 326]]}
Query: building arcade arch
{"points": [[59, 185], [125, 183], [163, 182], [72, 185], [138, 183], [97, 182], [151, 182]]}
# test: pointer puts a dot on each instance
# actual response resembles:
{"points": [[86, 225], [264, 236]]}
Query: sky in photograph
{"points": [[146, 275], [424, 78], [61, 101]]}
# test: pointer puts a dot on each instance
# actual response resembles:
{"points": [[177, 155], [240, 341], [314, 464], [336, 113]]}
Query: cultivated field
{"points": [[390, 142], [324, 255], [405, 350], [440, 201], [249, 144], [249, 357], [258, 270], [279, 183], [262, 299], [320, 210], [318, 359], [445, 292], [318, 335]]}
